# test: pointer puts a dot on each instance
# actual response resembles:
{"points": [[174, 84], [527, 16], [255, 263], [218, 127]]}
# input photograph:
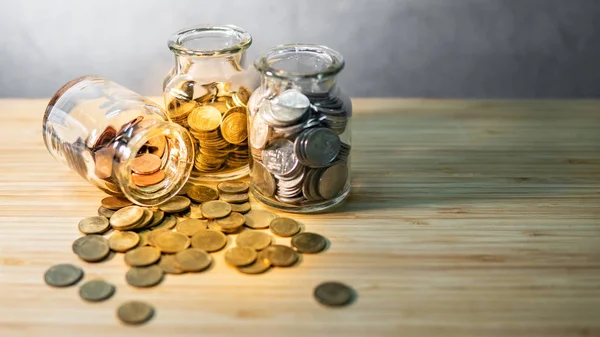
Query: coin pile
{"points": [[217, 118], [299, 157], [179, 236]]}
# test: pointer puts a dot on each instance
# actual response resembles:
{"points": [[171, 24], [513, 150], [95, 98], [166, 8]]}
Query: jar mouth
{"points": [[210, 40], [300, 61]]}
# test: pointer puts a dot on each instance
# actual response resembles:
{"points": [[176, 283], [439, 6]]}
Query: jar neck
{"points": [[177, 160], [210, 65], [273, 85]]}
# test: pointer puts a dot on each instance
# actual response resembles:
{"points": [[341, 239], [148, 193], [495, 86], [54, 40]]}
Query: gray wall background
{"points": [[410, 48]]}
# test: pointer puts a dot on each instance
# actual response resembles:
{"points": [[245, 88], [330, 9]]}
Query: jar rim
{"points": [[177, 41], [264, 62]]}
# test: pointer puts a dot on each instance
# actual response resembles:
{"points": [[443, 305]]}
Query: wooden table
{"points": [[466, 218]]}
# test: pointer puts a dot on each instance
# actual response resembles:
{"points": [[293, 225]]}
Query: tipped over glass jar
{"points": [[299, 130]]}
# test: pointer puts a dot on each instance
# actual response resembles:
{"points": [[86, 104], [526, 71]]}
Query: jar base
{"points": [[311, 208], [232, 174]]}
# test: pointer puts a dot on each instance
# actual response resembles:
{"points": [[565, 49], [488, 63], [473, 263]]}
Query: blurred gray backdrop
{"points": [[410, 48]]}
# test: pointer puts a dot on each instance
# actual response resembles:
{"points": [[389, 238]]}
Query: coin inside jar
{"points": [[254, 239], [63, 275], [91, 248], [94, 225], [308, 242], [202, 193], [193, 259], [285, 227], [240, 256], [215, 209], [333, 180], [146, 164], [135, 312], [263, 179], [257, 218], [145, 180], [209, 240]]}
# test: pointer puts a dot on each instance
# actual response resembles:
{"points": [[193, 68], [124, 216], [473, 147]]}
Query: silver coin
{"points": [[294, 182], [290, 106], [260, 132], [333, 180], [279, 157], [294, 200], [321, 146], [266, 111], [313, 188], [306, 185], [263, 179]]}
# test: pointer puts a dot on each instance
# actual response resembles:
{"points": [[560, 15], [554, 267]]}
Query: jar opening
{"points": [[210, 40], [299, 61]]}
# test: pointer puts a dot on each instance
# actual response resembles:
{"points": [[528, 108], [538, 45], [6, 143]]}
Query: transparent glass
{"points": [[299, 130], [98, 128], [207, 93]]}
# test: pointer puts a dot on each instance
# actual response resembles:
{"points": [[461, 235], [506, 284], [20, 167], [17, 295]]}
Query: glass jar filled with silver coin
{"points": [[118, 140], [207, 92], [299, 130]]}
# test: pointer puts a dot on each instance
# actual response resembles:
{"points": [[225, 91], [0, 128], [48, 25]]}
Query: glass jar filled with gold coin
{"points": [[299, 130], [118, 140], [207, 92]]}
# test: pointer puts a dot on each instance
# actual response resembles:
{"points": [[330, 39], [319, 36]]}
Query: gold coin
{"points": [[281, 256], [241, 208], [233, 187], [143, 238], [96, 290], [146, 220], [142, 256], [240, 256], [126, 217], [308, 243], [105, 212], [168, 263], [234, 198], [258, 218], [123, 241], [202, 193], [144, 276], [171, 242], [259, 266], [209, 240], [91, 248], [94, 225], [234, 128], [146, 164], [254, 239], [135, 312], [215, 209], [175, 205], [63, 275], [242, 96], [157, 145], [193, 259], [168, 223], [114, 203], [221, 106], [285, 227], [205, 118], [157, 217], [230, 223], [145, 180], [195, 212], [191, 226], [154, 234]]}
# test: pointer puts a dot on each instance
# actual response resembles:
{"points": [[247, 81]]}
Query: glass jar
{"points": [[98, 128], [299, 130], [207, 93]]}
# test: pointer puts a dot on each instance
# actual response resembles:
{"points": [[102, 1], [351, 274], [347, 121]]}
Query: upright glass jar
{"points": [[207, 92], [299, 130], [98, 128]]}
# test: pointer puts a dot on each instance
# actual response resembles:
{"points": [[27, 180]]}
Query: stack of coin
{"points": [[299, 157], [146, 170], [217, 117]]}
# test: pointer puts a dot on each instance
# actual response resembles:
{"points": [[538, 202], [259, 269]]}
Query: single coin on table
{"points": [[230, 223], [259, 266], [94, 225], [175, 205], [63, 275], [234, 198], [215, 209], [91, 248], [280, 256], [333, 294], [209, 240], [123, 241], [191, 226], [142, 256], [105, 212], [96, 290], [240, 256], [241, 208], [135, 312], [126, 217], [258, 218], [284, 227], [146, 164], [171, 242], [147, 276], [254, 239], [202, 193], [168, 263], [309, 243], [114, 203], [145, 180], [193, 259], [233, 187]]}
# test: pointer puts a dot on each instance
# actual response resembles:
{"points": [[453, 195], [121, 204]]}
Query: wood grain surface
{"points": [[466, 218]]}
